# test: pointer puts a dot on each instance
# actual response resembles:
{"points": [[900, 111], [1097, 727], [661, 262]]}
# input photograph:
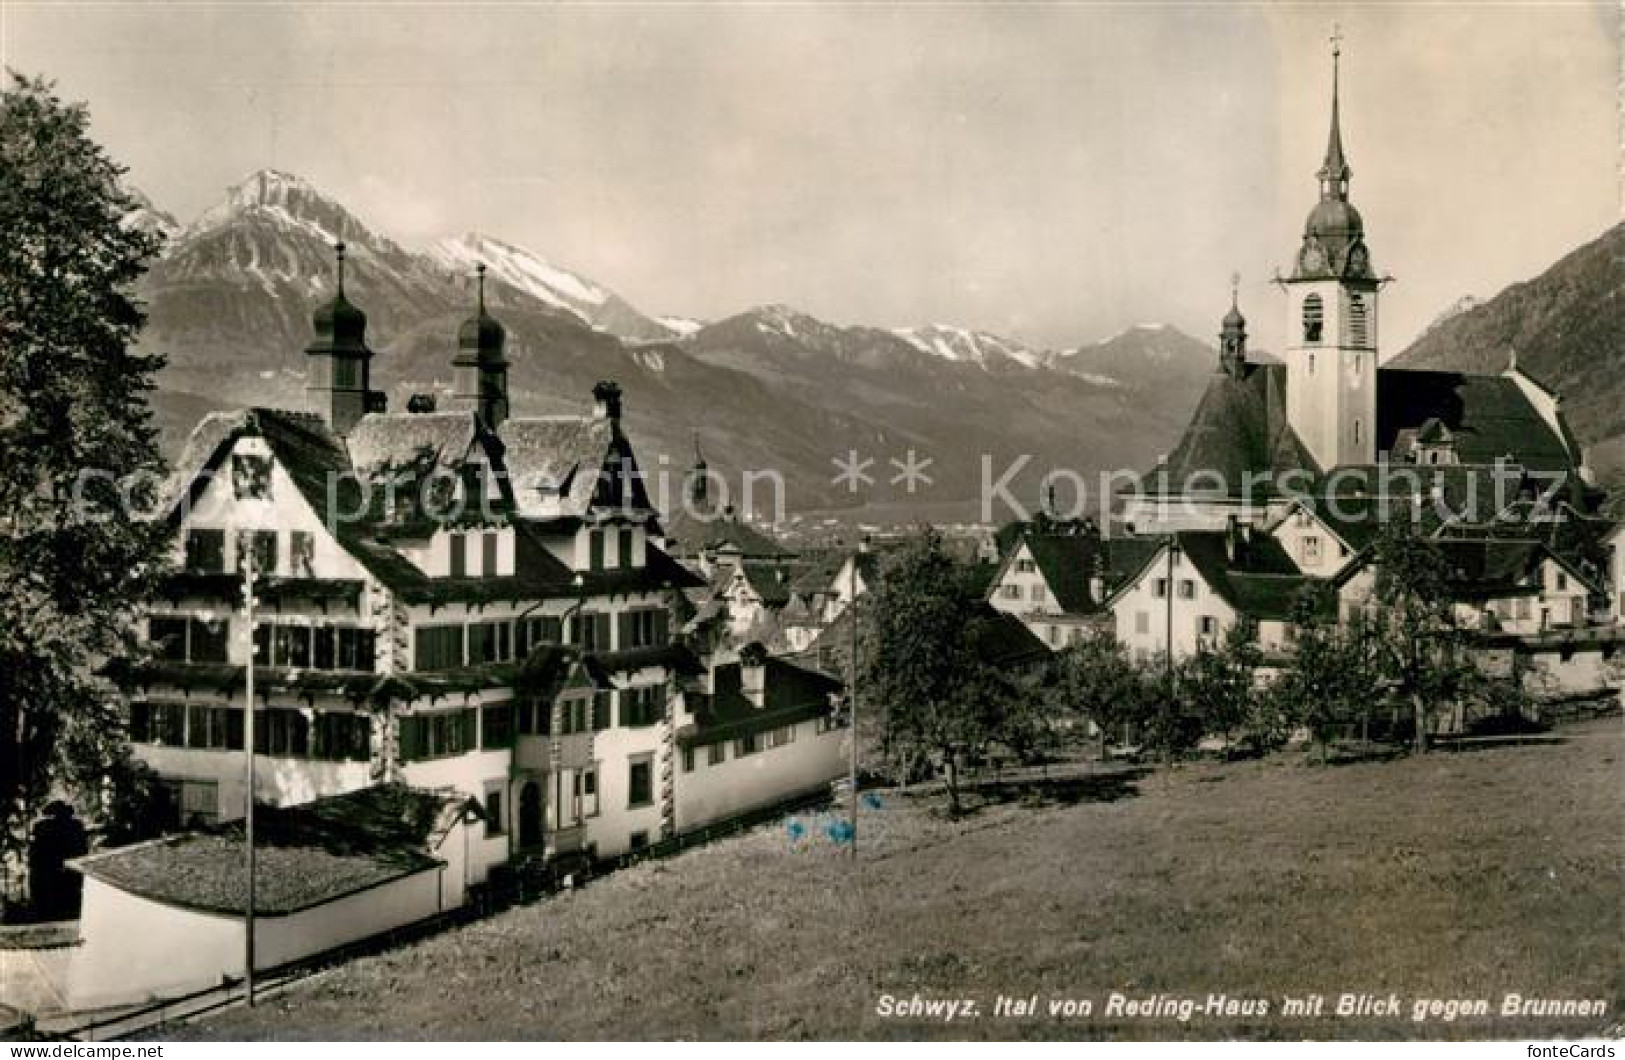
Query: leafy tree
{"points": [[1219, 684], [1095, 679], [77, 453], [923, 668], [1419, 647], [1332, 676]]}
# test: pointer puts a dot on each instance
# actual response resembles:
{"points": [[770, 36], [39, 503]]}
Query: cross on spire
{"points": [[338, 249], [1235, 288], [1337, 40], [479, 279]]}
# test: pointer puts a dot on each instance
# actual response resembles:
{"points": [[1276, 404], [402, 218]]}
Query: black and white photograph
{"points": [[791, 521]]}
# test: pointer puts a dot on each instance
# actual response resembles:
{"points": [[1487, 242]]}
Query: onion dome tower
{"points": [[1331, 344], [339, 372], [480, 371]]}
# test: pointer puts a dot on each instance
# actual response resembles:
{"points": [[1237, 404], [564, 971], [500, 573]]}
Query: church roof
{"points": [[1238, 432], [1487, 417]]}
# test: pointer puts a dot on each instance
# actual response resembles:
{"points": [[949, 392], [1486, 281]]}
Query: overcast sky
{"points": [[1053, 173]]}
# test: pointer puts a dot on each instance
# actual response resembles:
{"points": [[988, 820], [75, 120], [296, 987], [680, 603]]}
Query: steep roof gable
{"points": [[1485, 417], [1239, 432]]}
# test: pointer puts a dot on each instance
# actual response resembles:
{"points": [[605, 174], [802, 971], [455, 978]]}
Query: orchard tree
{"points": [[1095, 679], [923, 665], [77, 453], [1419, 648], [1333, 675], [1218, 684]]}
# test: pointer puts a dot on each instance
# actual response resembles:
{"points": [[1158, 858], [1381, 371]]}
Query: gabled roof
{"points": [[719, 529], [1248, 569], [1484, 417], [791, 694], [1239, 432], [308, 855], [770, 581], [568, 465], [1068, 563], [1483, 568]]}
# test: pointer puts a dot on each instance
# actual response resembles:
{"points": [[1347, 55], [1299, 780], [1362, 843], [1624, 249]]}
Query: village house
{"points": [[1057, 580], [1194, 585]]}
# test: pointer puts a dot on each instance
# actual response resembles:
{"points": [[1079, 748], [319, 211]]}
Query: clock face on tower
{"points": [[1313, 259], [1359, 261]]}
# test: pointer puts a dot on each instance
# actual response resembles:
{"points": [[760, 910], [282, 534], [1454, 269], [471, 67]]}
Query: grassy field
{"points": [[1466, 875]]}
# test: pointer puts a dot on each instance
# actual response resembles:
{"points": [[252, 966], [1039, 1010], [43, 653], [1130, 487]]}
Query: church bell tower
{"points": [[1331, 343]]}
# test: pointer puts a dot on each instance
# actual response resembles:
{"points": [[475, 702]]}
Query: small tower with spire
{"points": [[1233, 336], [1331, 344], [479, 370], [699, 479], [339, 365]]}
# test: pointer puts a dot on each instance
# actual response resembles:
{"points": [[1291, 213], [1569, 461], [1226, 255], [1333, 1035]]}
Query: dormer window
{"points": [[1314, 318]]}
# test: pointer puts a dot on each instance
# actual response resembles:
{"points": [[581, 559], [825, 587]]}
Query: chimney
{"points": [[753, 673], [606, 397]]}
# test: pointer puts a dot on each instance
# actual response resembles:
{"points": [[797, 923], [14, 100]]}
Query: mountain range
{"points": [[229, 302]]}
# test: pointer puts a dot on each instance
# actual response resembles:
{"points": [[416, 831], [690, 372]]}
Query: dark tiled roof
{"points": [[306, 855], [1487, 416], [1254, 575], [770, 581], [718, 530], [791, 694], [1003, 641], [1068, 562], [567, 465], [1238, 432]]}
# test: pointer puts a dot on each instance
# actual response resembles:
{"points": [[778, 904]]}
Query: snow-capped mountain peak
{"points": [[521, 269], [149, 218], [962, 345], [288, 202]]}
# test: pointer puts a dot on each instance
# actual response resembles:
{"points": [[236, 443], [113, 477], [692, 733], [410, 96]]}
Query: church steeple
{"points": [[338, 382], [1233, 336], [1334, 172], [1331, 346]]}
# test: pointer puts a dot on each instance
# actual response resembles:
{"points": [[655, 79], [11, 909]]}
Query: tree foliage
{"points": [[1218, 684], [1096, 680], [1419, 648], [77, 452], [923, 666], [1332, 677]]}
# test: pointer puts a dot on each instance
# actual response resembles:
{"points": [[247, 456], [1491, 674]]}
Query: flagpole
{"points": [[248, 747], [853, 604]]}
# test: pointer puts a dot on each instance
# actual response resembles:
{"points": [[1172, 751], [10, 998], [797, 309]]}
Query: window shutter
{"points": [[625, 620], [488, 558], [459, 554], [600, 711], [662, 626]]}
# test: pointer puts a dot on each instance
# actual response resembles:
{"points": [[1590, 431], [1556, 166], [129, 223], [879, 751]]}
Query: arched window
{"points": [[1314, 318], [1357, 321]]}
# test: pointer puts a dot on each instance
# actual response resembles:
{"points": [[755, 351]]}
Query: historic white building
{"points": [[452, 600]]}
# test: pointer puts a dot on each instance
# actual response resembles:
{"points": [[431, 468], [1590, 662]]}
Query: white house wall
{"points": [[712, 793]]}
